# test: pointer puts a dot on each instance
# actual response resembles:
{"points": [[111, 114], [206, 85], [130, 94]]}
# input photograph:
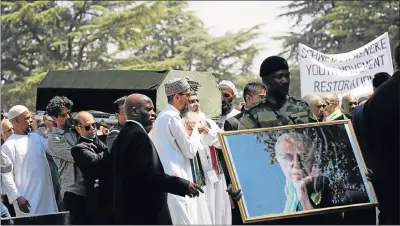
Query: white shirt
{"points": [[30, 177], [223, 118], [218, 199], [175, 149]]}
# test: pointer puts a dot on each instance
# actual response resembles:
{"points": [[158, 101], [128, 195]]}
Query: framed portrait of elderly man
{"points": [[297, 170]]}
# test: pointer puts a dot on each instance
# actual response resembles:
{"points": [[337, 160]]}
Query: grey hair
{"points": [[311, 99], [332, 97]]}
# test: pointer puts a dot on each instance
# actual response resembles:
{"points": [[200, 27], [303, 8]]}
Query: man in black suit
{"points": [[88, 156], [381, 122], [140, 184], [253, 92]]}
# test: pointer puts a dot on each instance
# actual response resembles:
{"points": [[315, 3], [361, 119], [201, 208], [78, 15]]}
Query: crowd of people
{"points": [[169, 168]]}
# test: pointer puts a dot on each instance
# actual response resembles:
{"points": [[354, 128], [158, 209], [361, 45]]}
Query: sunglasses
{"points": [[194, 101], [321, 105], [352, 103], [87, 128]]}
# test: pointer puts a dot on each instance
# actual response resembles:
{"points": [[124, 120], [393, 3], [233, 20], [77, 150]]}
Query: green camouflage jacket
{"points": [[266, 114]]}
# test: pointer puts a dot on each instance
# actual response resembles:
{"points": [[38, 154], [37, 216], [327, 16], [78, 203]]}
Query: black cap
{"points": [[272, 64]]}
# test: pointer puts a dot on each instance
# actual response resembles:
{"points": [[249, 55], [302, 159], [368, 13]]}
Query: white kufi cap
{"points": [[230, 84], [16, 111]]}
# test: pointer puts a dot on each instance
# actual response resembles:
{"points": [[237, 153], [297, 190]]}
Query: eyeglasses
{"points": [[352, 103], [185, 94], [194, 101], [321, 106], [329, 103], [87, 128]]}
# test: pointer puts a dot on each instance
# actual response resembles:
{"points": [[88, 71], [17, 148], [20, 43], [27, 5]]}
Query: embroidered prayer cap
{"points": [[229, 84], [175, 86], [272, 64], [16, 110]]}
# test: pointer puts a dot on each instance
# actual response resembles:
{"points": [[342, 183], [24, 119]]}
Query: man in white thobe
{"points": [[29, 186], [218, 199], [228, 95], [176, 147]]}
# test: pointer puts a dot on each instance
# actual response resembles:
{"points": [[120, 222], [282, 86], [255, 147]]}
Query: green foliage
{"points": [[77, 35], [338, 27]]}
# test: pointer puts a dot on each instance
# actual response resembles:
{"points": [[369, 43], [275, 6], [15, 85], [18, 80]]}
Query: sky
{"points": [[223, 16]]}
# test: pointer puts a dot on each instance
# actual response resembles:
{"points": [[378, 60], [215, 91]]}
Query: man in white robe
{"points": [[228, 95], [29, 186], [176, 147], [218, 199]]}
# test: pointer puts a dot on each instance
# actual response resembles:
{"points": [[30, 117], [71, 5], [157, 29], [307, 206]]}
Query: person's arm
{"points": [[211, 138], [60, 148], [8, 177], [83, 156], [142, 155], [187, 144]]}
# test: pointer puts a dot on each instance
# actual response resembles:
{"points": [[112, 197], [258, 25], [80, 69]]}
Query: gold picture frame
{"points": [[247, 218]]}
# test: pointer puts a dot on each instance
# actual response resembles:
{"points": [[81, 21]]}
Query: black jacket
{"points": [[381, 117], [140, 184], [88, 156]]}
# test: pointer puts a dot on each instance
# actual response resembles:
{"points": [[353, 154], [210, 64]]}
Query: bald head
{"points": [[6, 129], [140, 108], [349, 103], [85, 124], [332, 102]]}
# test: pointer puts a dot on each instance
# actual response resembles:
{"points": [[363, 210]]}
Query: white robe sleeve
{"points": [[211, 139], [187, 144], [8, 178]]}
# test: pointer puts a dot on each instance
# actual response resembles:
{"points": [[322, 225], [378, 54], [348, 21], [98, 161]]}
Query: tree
{"points": [[338, 26], [181, 42], [51, 35]]}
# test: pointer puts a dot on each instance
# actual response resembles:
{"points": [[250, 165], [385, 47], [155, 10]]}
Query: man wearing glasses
{"points": [[88, 156], [316, 105], [177, 142], [61, 140], [332, 107]]}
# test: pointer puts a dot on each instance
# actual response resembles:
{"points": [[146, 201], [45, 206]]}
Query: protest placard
{"points": [[344, 73]]}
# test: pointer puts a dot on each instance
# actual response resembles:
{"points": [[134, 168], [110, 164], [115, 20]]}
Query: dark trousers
{"points": [[77, 207], [9, 206]]}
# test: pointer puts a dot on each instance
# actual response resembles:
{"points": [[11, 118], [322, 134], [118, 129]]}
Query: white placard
{"points": [[344, 73]]}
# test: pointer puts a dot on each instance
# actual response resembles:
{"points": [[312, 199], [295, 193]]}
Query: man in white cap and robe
{"points": [[29, 186], [228, 95], [177, 142], [218, 201]]}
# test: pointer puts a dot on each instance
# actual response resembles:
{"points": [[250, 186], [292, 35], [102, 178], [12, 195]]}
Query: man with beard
{"points": [[218, 201], [88, 156], [349, 103], [29, 186], [228, 95], [176, 147], [278, 108], [253, 93], [61, 140], [141, 184]]}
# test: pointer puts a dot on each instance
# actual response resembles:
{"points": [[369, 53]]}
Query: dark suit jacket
{"points": [[140, 184], [88, 156], [382, 118], [232, 124]]}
